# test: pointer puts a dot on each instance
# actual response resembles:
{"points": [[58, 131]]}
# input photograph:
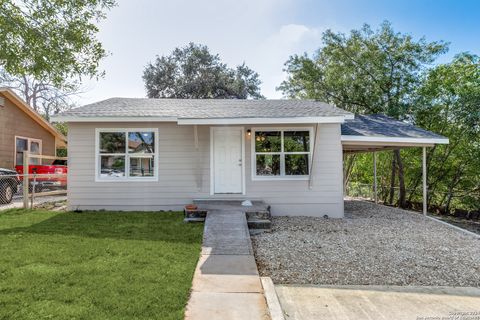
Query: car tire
{"points": [[6, 193]]}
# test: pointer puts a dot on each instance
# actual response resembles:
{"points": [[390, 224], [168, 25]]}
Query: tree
{"points": [[449, 103], [193, 72], [51, 41], [44, 97], [366, 72]]}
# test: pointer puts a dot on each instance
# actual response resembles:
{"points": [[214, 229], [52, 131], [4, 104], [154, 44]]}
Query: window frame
{"points": [[282, 153], [127, 177], [29, 141]]}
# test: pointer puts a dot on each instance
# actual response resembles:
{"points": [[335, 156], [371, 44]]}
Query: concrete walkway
{"points": [[378, 302], [226, 284]]}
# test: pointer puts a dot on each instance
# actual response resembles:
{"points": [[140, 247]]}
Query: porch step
{"points": [[258, 214], [265, 224]]}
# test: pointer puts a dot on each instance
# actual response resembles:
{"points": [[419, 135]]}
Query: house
{"points": [[22, 129], [160, 154]]}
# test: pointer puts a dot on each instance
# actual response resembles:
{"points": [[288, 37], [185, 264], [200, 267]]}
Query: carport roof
{"points": [[378, 132]]}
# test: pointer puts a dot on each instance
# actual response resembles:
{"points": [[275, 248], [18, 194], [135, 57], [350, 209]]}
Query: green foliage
{"points": [[449, 103], [387, 72], [365, 72], [193, 72], [96, 265], [446, 102], [52, 41]]}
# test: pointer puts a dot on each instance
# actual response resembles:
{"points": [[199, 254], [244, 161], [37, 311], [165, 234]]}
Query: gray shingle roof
{"points": [[205, 108], [378, 125]]}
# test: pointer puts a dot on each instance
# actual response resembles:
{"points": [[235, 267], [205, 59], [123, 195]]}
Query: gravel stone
{"points": [[372, 245]]}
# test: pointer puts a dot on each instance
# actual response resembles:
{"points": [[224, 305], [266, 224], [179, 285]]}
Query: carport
{"points": [[373, 133]]}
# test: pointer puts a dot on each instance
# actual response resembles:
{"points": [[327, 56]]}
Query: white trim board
{"points": [[211, 121], [246, 121], [112, 119], [373, 139]]}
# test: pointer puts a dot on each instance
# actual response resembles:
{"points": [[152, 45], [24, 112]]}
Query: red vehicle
{"points": [[52, 176]]}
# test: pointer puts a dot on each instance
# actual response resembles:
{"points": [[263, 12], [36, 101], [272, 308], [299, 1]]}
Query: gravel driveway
{"points": [[372, 245]]}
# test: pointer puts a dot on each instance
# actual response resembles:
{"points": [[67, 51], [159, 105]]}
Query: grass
{"points": [[96, 265]]}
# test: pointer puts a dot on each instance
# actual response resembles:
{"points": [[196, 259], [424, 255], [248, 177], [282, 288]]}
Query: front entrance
{"points": [[227, 159]]}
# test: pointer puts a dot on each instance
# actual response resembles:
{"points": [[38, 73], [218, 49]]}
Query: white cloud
{"points": [[274, 52]]}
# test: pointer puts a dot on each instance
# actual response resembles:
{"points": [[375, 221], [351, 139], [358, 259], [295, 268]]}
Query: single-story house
{"points": [[160, 154], [22, 129]]}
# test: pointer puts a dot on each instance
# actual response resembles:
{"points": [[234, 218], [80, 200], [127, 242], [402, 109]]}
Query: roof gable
{"points": [[22, 105]]}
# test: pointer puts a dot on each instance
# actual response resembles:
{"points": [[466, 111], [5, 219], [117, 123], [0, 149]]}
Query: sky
{"points": [[261, 33]]}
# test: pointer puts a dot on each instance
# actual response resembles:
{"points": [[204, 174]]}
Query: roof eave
{"points": [[209, 121], [284, 120], [385, 141]]}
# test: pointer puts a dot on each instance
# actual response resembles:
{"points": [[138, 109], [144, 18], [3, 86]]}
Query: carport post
{"points": [[424, 176], [375, 176]]}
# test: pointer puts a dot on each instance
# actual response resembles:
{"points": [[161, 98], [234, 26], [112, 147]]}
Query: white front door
{"points": [[227, 159]]}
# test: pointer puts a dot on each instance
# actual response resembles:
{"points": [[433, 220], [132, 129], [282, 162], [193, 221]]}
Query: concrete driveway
{"points": [[378, 302]]}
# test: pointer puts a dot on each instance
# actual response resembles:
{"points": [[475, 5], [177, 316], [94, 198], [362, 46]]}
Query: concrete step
{"points": [[259, 224], [259, 215]]}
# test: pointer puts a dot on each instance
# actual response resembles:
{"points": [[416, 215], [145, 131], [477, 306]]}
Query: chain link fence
{"points": [[33, 185]]}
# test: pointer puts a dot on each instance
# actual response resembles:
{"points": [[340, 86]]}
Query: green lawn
{"points": [[96, 265]]}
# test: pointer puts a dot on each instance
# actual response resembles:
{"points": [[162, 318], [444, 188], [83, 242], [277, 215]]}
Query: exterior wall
{"points": [[184, 175], [15, 122]]}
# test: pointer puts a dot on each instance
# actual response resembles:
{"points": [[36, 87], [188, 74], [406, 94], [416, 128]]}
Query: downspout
{"points": [[310, 171]]}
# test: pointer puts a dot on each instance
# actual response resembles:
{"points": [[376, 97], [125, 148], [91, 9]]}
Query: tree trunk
{"points": [[392, 180], [401, 180], [347, 169]]}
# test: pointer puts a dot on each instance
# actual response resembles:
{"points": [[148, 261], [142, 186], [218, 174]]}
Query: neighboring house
{"points": [[22, 129], [160, 154]]}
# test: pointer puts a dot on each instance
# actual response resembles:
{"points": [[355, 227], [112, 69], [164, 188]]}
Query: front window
{"points": [[127, 154], [282, 153]]}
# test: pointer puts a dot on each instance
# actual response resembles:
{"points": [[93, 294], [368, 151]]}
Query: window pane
{"points": [[296, 164], [112, 166], [35, 147], [268, 164], [268, 141], [296, 141], [141, 142], [112, 142], [22, 144], [19, 158], [141, 167]]}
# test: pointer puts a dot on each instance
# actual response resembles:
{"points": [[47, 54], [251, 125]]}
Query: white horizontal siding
{"points": [[179, 171]]}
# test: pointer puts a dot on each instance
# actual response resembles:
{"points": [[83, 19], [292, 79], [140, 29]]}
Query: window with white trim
{"points": [[30, 145], [127, 154], [281, 153]]}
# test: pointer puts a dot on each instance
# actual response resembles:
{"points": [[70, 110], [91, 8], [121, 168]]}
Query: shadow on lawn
{"points": [[152, 226]]}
